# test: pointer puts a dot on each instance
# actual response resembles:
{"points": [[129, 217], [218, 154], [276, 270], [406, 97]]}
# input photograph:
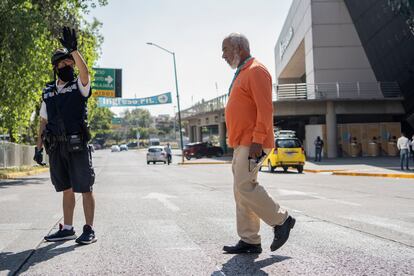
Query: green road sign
{"points": [[107, 82], [104, 79]]}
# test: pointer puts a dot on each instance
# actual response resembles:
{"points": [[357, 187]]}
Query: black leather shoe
{"points": [[282, 233], [243, 247]]}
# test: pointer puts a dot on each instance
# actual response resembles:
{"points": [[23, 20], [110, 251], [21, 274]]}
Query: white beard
{"points": [[235, 62]]}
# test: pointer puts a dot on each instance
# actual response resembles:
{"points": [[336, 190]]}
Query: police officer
{"points": [[63, 132]]}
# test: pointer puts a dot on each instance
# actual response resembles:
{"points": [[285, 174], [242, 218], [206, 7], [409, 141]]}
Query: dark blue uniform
{"points": [[66, 115]]}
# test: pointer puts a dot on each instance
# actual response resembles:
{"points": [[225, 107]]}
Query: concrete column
{"points": [[222, 135], [330, 118], [191, 133], [198, 134]]}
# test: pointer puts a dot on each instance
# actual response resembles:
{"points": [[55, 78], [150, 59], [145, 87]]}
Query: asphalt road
{"points": [[174, 220]]}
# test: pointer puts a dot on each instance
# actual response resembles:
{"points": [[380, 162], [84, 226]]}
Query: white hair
{"points": [[239, 40]]}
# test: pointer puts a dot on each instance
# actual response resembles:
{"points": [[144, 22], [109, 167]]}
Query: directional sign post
{"points": [[107, 82]]}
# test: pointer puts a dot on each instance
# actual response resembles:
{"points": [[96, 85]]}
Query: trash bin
{"points": [[355, 150], [392, 149], [373, 149]]}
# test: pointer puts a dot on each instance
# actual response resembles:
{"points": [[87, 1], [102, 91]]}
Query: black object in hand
{"points": [[69, 40], [38, 157], [256, 162]]}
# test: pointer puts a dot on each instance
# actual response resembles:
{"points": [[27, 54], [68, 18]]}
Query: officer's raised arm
{"points": [[70, 42]]}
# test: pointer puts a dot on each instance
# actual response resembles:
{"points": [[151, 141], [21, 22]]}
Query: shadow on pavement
{"points": [[11, 261], [244, 264], [4, 183], [279, 172]]}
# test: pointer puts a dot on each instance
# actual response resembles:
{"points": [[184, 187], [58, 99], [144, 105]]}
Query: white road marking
{"points": [[387, 223], [12, 197], [284, 192], [338, 200], [163, 198]]}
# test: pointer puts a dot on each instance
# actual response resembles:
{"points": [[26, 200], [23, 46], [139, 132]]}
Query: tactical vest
{"points": [[68, 104]]}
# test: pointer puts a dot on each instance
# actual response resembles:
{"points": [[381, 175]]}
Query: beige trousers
{"points": [[252, 201]]}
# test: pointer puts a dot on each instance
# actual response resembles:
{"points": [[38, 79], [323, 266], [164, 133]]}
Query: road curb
{"points": [[389, 175], [21, 174], [205, 163]]}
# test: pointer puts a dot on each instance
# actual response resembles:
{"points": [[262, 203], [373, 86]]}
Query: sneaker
{"points": [[243, 247], [61, 235], [282, 233], [88, 235]]}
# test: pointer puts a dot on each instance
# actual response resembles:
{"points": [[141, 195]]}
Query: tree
{"points": [[28, 36], [138, 118], [100, 119]]}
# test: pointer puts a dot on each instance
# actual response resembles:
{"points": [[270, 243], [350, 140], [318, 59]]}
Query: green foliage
{"points": [[99, 119], [28, 37], [138, 117]]}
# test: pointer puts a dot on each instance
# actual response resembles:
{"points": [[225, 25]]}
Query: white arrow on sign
{"points": [[163, 198], [109, 79]]}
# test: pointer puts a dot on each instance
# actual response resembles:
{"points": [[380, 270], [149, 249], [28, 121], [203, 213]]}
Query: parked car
{"points": [[123, 147], [132, 145], [288, 152], [156, 154], [201, 149], [115, 148]]}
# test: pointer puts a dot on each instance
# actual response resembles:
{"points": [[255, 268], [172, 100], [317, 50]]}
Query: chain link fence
{"points": [[16, 155]]}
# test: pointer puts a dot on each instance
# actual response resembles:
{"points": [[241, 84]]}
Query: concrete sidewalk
{"points": [[361, 166]]}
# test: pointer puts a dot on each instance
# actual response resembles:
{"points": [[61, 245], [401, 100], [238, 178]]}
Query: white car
{"points": [[123, 147], [115, 148], [156, 154]]}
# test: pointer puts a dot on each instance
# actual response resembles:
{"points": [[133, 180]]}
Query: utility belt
{"points": [[73, 142]]}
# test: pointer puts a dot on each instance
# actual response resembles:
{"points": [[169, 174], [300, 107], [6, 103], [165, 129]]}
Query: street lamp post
{"points": [[178, 97]]}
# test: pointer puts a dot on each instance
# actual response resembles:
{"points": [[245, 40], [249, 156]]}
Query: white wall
{"points": [[338, 52], [311, 132]]}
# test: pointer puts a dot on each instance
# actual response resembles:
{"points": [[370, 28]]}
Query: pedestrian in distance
{"points": [[64, 133], [249, 120], [318, 149], [169, 153], [403, 144], [412, 147]]}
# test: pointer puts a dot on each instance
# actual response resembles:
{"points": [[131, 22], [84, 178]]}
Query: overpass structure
{"points": [[298, 105]]}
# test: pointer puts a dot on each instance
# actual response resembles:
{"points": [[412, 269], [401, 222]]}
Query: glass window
{"points": [[288, 143]]}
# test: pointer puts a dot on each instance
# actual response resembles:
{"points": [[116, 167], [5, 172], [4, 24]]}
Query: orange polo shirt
{"points": [[249, 110]]}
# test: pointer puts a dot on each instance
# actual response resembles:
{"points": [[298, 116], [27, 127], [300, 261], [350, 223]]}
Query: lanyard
{"points": [[238, 72]]}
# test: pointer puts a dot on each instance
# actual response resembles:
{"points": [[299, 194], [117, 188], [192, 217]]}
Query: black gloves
{"points": [[69, 40], [38, 157]]}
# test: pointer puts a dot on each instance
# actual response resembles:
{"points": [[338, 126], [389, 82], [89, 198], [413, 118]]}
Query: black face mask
{"points": [[66, 73]]}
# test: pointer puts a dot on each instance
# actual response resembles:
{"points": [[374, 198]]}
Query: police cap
{"points": [[60, 54]]}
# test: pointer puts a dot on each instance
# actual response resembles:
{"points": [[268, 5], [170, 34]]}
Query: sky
{"points": [[194, 30]]}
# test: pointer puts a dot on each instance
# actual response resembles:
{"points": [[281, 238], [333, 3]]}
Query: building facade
{"points": [[320, 60]]}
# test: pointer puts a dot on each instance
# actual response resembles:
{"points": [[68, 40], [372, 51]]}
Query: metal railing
{"points": [[308, 91], [338, 90], [206, 106], [16, 155]]}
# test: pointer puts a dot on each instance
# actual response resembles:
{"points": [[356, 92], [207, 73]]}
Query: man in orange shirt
{"points": [[249, 121]]}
